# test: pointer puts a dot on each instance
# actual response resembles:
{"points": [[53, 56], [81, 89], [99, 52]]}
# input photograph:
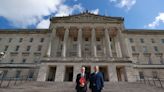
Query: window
{"points": [[0, 39], [5, 73], [152, 40], [144, 49], [17, 48], [6, 48], [156, 48], [39, 48], [75, 38], [131, 40], [18, 72], [98, 39], [98, 47], [20, 39], [133, 48], [31, 39], [155, 74], [141, 74], [28, 48], [10, 39], [149, 60], [162, 40], [24, 61], [74, 46], [42, 40], [31, 74], [11, 61], [142, 40], [86, 39], [161, 60]]}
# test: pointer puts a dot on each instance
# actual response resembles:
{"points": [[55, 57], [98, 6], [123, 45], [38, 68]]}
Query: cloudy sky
{"points": [[138, 14]]}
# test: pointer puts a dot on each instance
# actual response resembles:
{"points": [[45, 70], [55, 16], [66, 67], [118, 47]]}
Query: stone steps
{"points": [[70, 87]]}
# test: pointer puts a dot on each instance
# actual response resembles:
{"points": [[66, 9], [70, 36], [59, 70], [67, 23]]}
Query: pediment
{"points": [[86, 18]]}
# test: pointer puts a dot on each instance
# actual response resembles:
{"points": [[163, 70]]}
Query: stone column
{"points": [[113, 73], [94, 50], [130, 73], [109, 50], [117, 47], [76, 70], [123, 43], [79, 42], [43, 71], [51, 44], [59, 77], [64, 48]]}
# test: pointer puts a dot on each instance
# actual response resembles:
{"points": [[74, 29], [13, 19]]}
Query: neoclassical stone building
{"points": [[56, 54]]}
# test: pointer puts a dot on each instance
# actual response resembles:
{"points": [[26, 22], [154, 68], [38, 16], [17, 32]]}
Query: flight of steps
{"points": [[70, 87]]}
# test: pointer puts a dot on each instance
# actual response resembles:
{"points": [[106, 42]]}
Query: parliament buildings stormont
{"points": [[85, 39]]}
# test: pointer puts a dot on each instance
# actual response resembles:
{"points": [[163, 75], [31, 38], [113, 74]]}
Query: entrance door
{"points": [[68, 73], [104, 70], [121, 73], [51, 74]]}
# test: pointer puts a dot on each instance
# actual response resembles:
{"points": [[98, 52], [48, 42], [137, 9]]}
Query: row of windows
{"points": [[154, 75], [18, 74], [143, 41], [24, 60], [21, 40], [145, 49], [28, 48]]}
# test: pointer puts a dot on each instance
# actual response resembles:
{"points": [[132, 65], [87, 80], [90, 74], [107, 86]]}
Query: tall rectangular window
{"points": [[161, 60], [142, 40], [155, 74], [152, 40], [20, 39], [28, 48], [141, 74], [39, 48], [11, 61], [24, 60], [155, 48], [6, 48], [18, 72], [149, 60], [31, 39], [42, 40], [145, 49], [133, 48], [162, 41], [17, 48], [10, 39], [131, 40]]}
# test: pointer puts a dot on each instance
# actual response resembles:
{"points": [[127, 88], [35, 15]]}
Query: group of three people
{"points": [[96, 81]]}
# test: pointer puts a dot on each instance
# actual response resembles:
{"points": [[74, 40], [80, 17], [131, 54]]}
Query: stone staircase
{"points": [[70, 87]]}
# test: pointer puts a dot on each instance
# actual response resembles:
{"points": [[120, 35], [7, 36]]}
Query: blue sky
{"points": [[138, 14]]}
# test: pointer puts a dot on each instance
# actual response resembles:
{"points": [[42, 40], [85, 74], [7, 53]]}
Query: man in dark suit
{"points": [[96, 80], [81, 81]]}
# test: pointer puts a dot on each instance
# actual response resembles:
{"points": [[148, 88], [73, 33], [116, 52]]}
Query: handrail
{"points": [[149, 80], [12, 81]]}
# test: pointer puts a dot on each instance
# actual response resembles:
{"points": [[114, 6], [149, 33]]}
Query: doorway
{"points": [[121, 73], [104, 70], [68, 73], [51, 74]]}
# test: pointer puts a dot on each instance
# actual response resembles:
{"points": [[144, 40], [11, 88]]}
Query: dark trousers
{"points": [[95, 90], [81, 89]]}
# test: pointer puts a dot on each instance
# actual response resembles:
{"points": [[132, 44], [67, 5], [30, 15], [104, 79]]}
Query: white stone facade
{"points": [[57, 53]]}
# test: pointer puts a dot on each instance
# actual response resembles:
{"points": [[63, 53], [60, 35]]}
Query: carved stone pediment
{"points": [[86, 18]]}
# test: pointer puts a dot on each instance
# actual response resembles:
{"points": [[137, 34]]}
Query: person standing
{"points": [[96, 80], [81, 81]]}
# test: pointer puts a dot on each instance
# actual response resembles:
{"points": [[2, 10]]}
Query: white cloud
{"points": [[43, 24], [157, 20], [96, 11], [23, 13], [127, 4], [65, 10]]}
